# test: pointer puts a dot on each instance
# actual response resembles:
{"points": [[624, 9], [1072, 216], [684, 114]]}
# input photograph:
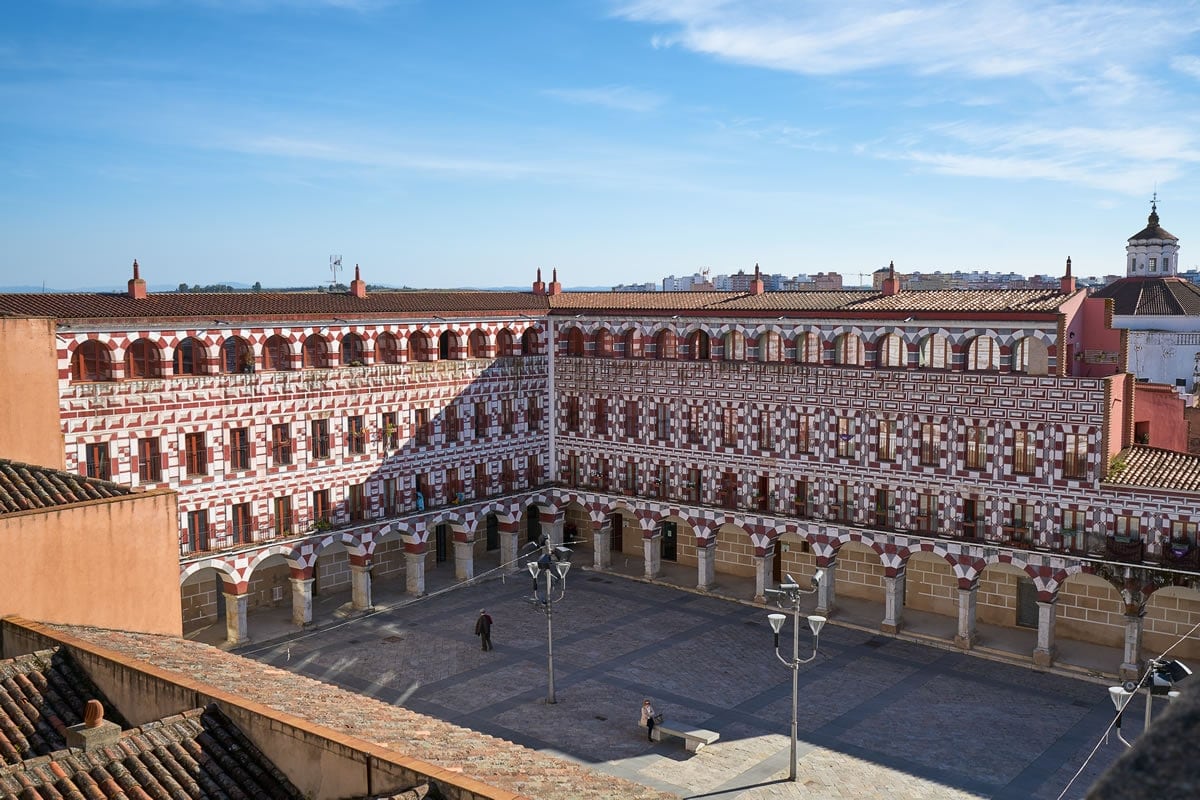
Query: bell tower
{"points": [[1152, 252]]}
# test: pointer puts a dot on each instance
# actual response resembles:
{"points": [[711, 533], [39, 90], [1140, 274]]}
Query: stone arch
{"points": [[860, 570], [848, 350], [735, 550], [449, 345], [935, 351], [891, 352], [201, 585], [1171, 614], [997, 599], [1090, 609], [770, 347], [931, 582], [531, 341], [1031, 356], [631, 340], [92, 361], [699, 345], [983, 354]]}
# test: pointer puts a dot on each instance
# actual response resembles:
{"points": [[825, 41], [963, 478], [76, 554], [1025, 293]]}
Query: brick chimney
{"points": [[538, 286], [137, 286], [1066, 284], [756, 283], [555, 286], [358, 287], [891, 284]]}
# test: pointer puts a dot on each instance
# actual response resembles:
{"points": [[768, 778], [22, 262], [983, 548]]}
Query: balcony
{"points": [[1180, 555], [1019, 536], [1130, 551]]}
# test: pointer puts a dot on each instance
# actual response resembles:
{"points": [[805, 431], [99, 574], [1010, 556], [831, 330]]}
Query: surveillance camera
{"points": [[818, 576], [790, 579]]}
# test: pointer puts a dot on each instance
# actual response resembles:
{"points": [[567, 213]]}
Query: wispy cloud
{"points": [[622, 98], [1188, 65]]}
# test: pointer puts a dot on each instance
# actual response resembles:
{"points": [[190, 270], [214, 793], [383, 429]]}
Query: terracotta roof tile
{"points": [[1157, 469], [24, 487], [1153, 296]]}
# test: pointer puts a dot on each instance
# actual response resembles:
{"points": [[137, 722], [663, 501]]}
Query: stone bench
{"points": [[693, 738]]}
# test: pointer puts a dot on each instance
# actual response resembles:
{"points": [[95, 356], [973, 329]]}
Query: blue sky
{"points": [[466, 144]]}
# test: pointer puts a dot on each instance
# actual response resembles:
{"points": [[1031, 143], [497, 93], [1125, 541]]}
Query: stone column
{"points": [[414, 573], [827, 588], [762, 575], [1043, 654], [360, 586], [236, 631], [464, 560], [509, 547], [553, 528], [1131, 662], [893, 602], [706, 559], [967, 599], [653, 549], [301, 601], [602, 545]]}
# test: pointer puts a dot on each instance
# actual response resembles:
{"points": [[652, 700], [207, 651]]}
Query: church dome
{"points": [[1153, 230]]}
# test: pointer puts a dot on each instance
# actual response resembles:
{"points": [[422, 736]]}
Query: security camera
{"points": [[818, 576]]}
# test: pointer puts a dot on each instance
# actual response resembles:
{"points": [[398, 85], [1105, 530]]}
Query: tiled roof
{"points": [[1153, 296], [265, 305], [41, 695], [24, 487], [1152, 230], [1157, 469], [804, 302], [198, 754]]}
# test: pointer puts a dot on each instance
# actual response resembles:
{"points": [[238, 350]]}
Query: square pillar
{"points": [[893, 602], [706, 558], [360, 587], [236, 631], [301, 601], [602, 546], [827, 589], [1131, 661], [652, 545], [509, 548], [464, 560], [553, 529], [1043, 654], [414, 573], [967, 598], [762, 570]]}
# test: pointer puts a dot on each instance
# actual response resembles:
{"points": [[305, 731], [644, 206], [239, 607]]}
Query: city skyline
{"points": [[216, 140]]}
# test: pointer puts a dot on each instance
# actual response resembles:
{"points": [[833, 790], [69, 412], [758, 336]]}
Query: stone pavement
{"points": [[879, 716]]}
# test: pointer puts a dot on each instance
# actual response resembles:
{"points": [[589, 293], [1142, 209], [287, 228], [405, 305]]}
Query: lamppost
{"points": [[553, 563], [789, 594], [1159, 680]]}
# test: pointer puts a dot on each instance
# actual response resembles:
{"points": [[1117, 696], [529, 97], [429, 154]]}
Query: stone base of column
{"points": [[964, 642], [1130, 672], [1043, 658], [890, 627]]}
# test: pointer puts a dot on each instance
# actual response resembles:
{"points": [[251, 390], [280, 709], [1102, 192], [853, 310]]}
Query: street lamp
{"points": [[1160, 679], [789, 594], [554, 562]]}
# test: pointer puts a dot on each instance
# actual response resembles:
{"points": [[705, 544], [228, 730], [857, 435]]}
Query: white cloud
{"points": [[1188, 65], [622, 98]]}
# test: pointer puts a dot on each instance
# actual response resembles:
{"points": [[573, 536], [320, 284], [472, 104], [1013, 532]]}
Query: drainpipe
{"points": [[551, 411]]}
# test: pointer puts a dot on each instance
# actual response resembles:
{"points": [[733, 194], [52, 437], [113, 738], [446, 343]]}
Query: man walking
{"points": [[483, 629]]}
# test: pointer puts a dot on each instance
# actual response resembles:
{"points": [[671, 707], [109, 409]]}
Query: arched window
{"points": [[419, 348], [142, 360], [387, 348], [848, 350], [892, 352], [770, 347], [735, 346], [633, 343], [91, 362], [808, 348], [604, 343], [236, 356], [189, 357], [448, 345], [665, 345], [575, 342], [699, 346], [277, 354], [316, 353], [531, 342], [353, 349], [983, 354], [935, 352], [477, 344], [505, 343], [1031, 356]]}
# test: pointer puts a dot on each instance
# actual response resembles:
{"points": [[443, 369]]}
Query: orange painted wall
{"points": [[110, 563], [1161, 409], [29, 425]]}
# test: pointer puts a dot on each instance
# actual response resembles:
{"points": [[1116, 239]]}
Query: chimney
{"points": [[1066, 284], [137, 286], [95, 731], [555, 286], [358, 287], [538, 286], [891, 284], [756, 283]]}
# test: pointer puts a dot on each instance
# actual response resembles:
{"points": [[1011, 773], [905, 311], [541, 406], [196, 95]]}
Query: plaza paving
{"points": [[879, 716]]}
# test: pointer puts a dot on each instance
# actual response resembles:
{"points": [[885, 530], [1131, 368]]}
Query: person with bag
{"points": [[650, 718]]}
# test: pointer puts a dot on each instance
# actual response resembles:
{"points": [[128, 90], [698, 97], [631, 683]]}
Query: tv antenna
{"points": [[335, 266]]}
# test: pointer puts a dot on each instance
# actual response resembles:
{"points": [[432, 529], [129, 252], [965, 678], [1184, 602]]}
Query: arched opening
{"points": [[604, 343], [1170, 614], [270, 594], [808, 348], [530, 342], [860, 561], [420, 347], [1031, 356], [91, 362], [935, 352], [891, 352], [353, 350], [931, 585], [236, 356], [189, 357], [735, 346], [848, 350], [448, 345], [632, 342], [316, 353], [699, 346], [531, 523], [477, 344], [664, 345], [203, 604], [574, 342], [770, 347], [143, 360], [331, 579], [388, 562], [983, 354], [1089, 609], [277, 354], [733, 548], [387, 348], [1007, 598], [505, 343]]}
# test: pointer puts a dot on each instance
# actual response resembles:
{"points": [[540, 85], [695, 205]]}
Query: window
{"points": [[976, 446], [575, 343], [983, 354], [632, 412], [318, 444], [481, 419], [356, 435], [885, 508], [277, 354], [803, 438], [931, 439], [533, 414], [658, 481], [421, 426], [1183, 532], [892, 352], [1073, 521], [735, 346], [506, 415], [887, 440], [1024, 452], [925, 520], [601, 416], [90, 362], [632, 343], [392, 504], [1075, 456], [389, 423], [603, 341], [695, 425], [241, 523], [935, 352], [97, 464], [808, 348], [842, 508], [480, 481], [766, 430], [1154, 265], [1126, 528], [694, 487], [283, 516], [1019, 525], [281, 444], [189, 358], [195, 454], [848, 350], [728, 495], [699, 346], [973, 515], [662, 422], [322, 509], [533, 469], [451, 424], [803, 498], [1166, 263], [387, 349], [666, 345], [572, 416], [239, 448], [315, 353], [141, 361], [845, 437], [197, 531], [353, 350], [356, 502], [728, 427], [770, 347], [236, 356], [629, 482], [149, 460]]}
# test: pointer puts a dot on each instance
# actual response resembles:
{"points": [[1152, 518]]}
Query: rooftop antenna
{"points": [[335, 266]]}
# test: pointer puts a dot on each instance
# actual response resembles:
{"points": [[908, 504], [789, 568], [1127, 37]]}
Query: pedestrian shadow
{"points": [[733, 791]]}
